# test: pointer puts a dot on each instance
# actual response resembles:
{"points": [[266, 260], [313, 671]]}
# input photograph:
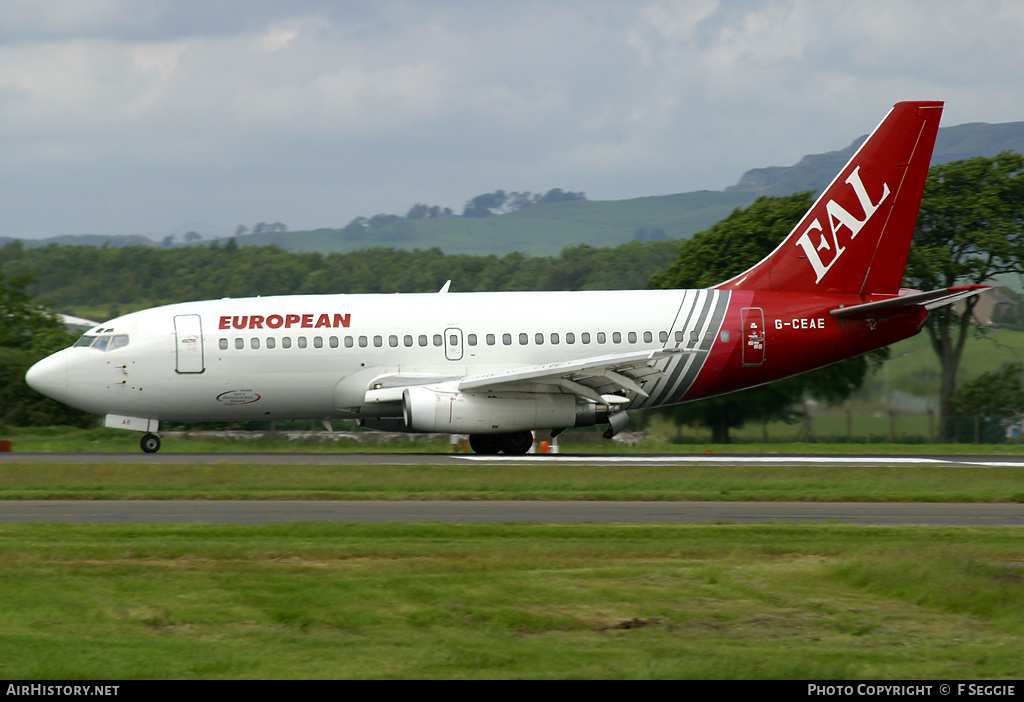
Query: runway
{"points": [[634, 512], [342, 459]]}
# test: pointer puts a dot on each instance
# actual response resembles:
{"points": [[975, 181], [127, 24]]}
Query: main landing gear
{"points": [[516, 443], [150, 443]]}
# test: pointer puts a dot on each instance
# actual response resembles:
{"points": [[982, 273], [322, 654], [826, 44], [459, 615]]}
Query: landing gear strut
{"points": [[150, 443], [516, 443]]}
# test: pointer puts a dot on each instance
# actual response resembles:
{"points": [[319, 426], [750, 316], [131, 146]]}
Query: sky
{"points": [[150, 117]]}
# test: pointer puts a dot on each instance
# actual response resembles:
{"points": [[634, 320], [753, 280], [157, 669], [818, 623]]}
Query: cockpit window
{"points": [[106, 342]]}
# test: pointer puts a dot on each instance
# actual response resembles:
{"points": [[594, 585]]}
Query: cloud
{"points": [[312, 112]]}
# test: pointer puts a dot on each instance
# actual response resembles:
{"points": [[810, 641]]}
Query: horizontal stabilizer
{"points": [[911, 302]]}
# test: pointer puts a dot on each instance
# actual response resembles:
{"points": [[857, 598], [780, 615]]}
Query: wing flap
{"points": [[586, 377]]}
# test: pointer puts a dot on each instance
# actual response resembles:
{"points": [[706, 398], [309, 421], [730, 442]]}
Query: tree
{"points": [[735, 243], [28, 332], [985, 406], [558, 195], [721, 252], [417, 211], [970, 229], [485, 205]]}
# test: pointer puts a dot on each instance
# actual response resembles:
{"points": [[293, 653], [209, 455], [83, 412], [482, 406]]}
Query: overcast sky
{"points": [[120, 116]]}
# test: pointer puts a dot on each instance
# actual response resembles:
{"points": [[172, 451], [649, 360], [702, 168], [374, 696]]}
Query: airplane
{"points": [[499, 366]]}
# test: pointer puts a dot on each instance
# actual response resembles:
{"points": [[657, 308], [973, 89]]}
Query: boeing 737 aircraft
{"points": [[498, 365]]}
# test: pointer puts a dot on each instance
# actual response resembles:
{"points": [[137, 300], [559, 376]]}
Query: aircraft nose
{"points": [[49, 376]]}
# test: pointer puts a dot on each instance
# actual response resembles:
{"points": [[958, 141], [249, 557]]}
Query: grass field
{"points": [[502, 601], [509, 601], [539, 481]]}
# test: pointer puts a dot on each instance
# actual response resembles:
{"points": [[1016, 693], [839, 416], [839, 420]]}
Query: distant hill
{"points": [[546, 229], [816, 172]]}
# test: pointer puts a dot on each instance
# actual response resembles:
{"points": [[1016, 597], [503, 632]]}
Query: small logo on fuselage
{"points": [[238, 397]]}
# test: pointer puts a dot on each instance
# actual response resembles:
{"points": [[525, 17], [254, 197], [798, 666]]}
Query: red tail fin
{"points": [[856, 237]]}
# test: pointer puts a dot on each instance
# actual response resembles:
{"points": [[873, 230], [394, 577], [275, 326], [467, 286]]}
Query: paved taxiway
{"points": [[263, 512]]}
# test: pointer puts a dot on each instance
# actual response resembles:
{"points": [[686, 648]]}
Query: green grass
{"points": [[509, 601], [539, 481], [659, 438]]}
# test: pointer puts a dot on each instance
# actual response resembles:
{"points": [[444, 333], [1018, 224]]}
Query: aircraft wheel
{"points": [[150, 443], [517, 443], [487, 444]]}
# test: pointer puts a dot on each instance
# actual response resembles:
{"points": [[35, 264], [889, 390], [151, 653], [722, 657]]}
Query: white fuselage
{"points": [[316, 356]]}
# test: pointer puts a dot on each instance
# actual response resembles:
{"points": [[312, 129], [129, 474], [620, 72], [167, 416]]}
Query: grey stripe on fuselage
{"points": [[709, 308]]}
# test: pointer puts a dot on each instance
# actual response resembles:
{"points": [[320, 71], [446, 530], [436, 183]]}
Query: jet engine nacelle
{"points": [[431, 410]]}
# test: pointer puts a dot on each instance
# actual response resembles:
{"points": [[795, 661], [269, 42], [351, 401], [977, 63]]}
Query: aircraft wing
{"points": [[913, 301], [590, 378]]}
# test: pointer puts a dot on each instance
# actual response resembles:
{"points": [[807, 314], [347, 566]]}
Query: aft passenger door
{"points": [[753, 335], [188, 344]]}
